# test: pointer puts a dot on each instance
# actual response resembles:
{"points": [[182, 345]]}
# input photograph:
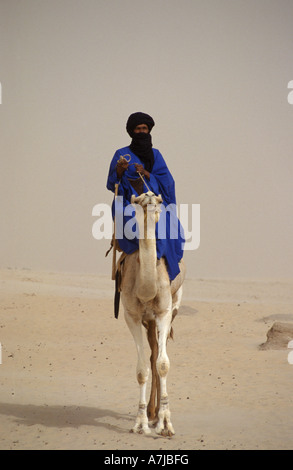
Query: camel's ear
{"points": [[159, 199], [137, 199]]}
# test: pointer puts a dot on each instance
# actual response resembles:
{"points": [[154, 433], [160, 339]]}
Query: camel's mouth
{"points": [[152, 208]]}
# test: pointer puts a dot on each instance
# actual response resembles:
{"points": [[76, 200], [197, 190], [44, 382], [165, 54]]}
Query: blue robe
{"points": [[160, 182]]}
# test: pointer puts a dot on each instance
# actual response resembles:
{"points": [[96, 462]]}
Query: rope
{"points": [[141, 176], [143, 180]]}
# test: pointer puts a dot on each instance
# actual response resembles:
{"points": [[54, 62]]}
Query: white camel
{"points": [[149, 299]]}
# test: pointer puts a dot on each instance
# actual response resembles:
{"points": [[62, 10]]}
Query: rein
{"points": [[122, 157]]}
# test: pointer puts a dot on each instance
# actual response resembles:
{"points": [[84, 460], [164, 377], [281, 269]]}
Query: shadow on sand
{"points": [[64, 416]]}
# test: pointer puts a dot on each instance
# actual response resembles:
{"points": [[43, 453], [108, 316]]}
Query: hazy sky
{"points": [[212, 73]]}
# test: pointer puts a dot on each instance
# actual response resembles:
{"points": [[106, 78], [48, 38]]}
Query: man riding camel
{"points": [[142, 168]]}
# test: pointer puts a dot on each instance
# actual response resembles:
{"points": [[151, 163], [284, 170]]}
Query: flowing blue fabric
{"points": [[169, 232]]}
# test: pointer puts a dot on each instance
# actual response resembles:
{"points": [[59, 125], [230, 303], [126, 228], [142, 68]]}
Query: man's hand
{"points": [[122, 165], [140, 169]]}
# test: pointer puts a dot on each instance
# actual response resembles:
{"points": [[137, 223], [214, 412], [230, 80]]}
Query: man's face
{"points": [[141, 128]]}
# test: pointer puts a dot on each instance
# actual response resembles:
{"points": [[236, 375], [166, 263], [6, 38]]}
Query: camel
{"points": [[150, 300]]}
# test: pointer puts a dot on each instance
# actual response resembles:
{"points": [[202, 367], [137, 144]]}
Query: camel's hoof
{"points": [[165, 431], [140, 430]]}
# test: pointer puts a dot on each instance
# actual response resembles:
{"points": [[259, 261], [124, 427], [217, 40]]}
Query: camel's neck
{"points": [[147, 272]]}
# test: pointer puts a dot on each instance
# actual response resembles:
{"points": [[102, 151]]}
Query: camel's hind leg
{"points": [[142, 373], [176, 301], [154, 402]]}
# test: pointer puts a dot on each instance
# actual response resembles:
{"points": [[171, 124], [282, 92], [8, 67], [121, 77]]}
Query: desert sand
{"points": [[67, 378]]}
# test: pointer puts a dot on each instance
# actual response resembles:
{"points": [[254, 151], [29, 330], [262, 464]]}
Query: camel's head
{"points": [[150, 203]]}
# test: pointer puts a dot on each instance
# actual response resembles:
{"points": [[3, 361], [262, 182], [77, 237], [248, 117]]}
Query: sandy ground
{"points": [[67, 379]]}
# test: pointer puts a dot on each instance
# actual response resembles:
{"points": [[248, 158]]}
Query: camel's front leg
{"points": [[164, 425], [142, 374]]}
